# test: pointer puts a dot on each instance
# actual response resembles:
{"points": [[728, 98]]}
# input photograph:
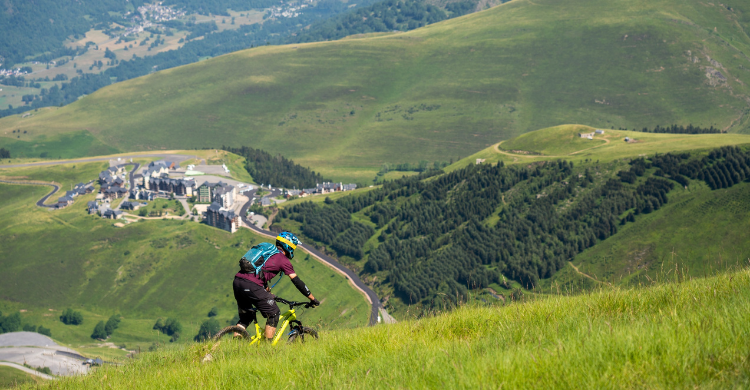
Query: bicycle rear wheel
{"points": [[231, 330], [305, 335]]}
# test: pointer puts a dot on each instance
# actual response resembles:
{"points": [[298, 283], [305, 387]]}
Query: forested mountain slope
{"points": [[439, 92], [428, 238]]}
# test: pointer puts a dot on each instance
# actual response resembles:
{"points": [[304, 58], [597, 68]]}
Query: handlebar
{"points": [[293, 303]]}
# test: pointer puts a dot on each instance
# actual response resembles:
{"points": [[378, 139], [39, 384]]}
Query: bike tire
{"points": [[307, 333], [231, 330]]}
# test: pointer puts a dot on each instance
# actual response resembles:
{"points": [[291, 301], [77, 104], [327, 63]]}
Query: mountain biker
{"points": [[251, 290]]}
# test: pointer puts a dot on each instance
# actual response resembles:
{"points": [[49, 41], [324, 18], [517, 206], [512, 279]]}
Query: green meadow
{"points": [[563, 143], [437, 93], [144, 271], [686, 333]]}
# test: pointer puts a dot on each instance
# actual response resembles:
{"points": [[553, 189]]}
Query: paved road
{"points": [[351, 275], [28, 370], [38, 350], [174, 157], [39, 203]]}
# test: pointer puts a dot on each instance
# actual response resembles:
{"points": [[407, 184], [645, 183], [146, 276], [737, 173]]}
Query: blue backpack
{"points": [[259, 254]]}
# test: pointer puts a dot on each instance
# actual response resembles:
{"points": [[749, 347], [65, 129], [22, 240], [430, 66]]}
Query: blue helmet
{"points": [[289, 242]]}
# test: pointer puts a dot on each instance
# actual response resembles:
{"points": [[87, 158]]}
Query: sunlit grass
{"points": [[682, 334]]}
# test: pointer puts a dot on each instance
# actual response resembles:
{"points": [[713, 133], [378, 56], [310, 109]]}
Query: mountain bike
{"points": [[297, 332]]}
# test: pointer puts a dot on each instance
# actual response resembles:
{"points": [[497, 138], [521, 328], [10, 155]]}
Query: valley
{"points": [[347, 107], [491, 193]]}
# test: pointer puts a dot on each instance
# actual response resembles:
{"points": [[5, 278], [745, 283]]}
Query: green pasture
{"points": [[437, 93], [145, 270], [687, 333], [54, 146], [562, 142]]}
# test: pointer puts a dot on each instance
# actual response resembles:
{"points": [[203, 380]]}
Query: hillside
{"points": [[144, 271], [424, 241], [436, 93], [562, 142], [686, 334]]}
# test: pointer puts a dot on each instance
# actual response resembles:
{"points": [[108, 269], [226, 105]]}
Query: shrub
{"points": [[208, 329], [29, 328], [71, 317], [169, 327], [99, 331], [112, 324], [11, 323], [214, 312], [44, 331]]}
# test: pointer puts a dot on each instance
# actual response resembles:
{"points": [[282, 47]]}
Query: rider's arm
{"points": [[301, 286]]}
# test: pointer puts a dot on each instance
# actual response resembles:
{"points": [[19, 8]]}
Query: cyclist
{"points": [[251, 290]]}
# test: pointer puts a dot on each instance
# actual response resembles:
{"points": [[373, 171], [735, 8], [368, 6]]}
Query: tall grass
{"points": [[681, 334]]}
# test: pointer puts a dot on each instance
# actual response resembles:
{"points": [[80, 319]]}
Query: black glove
{"points": [[314, 302]]}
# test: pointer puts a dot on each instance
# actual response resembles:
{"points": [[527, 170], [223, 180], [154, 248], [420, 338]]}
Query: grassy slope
{"points": [[11, 377], [699, 230], [495, 74], [562, 142], [680, 335], [146, 270]]}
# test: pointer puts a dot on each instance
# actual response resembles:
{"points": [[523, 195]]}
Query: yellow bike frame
{"points": [[286, 318]]}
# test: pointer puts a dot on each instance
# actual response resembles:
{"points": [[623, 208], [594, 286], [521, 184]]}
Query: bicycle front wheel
{"points": [[232, 331], [304, 335]]}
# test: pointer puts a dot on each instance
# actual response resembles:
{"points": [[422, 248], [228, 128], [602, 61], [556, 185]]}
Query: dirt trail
{"points": [[587, 275]]}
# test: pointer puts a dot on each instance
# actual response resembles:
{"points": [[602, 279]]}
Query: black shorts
{"points": [[249, 295]]}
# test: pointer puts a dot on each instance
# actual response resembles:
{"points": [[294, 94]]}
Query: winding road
{"points": [[175, 157], [40, 202], [351, 276]]}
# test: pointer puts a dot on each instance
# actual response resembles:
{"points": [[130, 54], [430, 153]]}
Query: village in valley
{"points": [[164, 190]]}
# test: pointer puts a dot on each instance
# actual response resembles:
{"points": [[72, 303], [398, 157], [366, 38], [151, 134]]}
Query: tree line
{"points": [[690, 129], [14, 323], [276, 170], [482, 224], [388, 15]]}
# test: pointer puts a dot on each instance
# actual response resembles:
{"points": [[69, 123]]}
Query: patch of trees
{"points": [[207, 330], [276, 170], [690, 129], [201, 29], [71, 317], [482, 224], [388, 15], [4, 153], [12, 323], [725, 167], [219, 7], [331, 226], [103, 330], [170, 327]]}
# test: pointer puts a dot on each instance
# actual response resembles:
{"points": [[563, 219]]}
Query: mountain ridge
{"points": [[435, 93]]}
